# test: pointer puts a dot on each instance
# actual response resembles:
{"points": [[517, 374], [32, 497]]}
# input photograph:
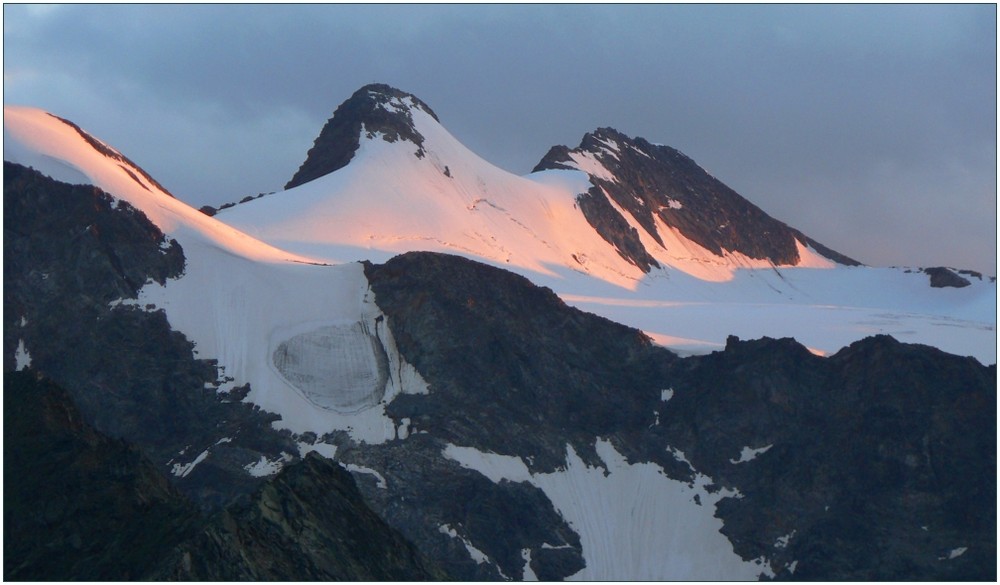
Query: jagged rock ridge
{"points": [[375, 108], [653, 181], [77, 504], [88, 507]]}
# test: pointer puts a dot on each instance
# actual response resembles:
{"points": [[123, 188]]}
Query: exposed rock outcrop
{"points": [[88, 507], [77, 504], [942, 277], [308, 523], [373, 109]]}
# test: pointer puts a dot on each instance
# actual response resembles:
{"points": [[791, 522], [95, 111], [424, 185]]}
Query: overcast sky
{"points": [[873, 129]]}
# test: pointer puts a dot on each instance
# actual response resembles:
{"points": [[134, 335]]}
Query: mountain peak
{"points": [[662, 188], [385, 96], [375, 109]]}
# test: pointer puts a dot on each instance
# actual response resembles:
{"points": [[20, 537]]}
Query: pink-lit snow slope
{"points": [[388, 201], [54, 147]]}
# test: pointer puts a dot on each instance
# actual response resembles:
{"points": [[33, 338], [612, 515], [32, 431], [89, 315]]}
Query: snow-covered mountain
{"points": [[385, 176], [504, 433], [632, 231]]}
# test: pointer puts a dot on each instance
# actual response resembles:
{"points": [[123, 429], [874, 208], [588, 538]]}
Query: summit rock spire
{"points": [[374, 109]]}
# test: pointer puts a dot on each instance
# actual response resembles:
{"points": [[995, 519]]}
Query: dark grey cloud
{"points": [[870, 127]]}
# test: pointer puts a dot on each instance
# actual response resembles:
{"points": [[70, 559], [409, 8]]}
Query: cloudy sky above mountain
{"points": [[871, 128]]}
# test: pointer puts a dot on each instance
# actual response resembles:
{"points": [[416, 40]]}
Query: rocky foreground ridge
{"points": [[88, 507]]}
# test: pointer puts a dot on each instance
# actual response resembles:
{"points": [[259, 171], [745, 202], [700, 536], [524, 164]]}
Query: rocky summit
{"points": [[373, 109]]}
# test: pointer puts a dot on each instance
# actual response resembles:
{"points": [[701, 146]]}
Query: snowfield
{"points": [[634, 522]]}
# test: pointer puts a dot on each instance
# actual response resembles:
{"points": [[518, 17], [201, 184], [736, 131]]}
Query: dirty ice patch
{"points": [[340, 367], [634, 522]]}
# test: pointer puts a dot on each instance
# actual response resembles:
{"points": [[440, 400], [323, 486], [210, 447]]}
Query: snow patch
{"points": [[367, 470], [22, 359], [183, 470], [589, 164], [264, 467], [782, 541], [825, 310], [477, 555], [954, 553], [403, 430], [667, 394], [495, 467], [749, 454], [611, 146], [325, 449], [527, 572]]}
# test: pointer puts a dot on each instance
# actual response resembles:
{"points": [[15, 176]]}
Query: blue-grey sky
{"points": [[872, 128]]}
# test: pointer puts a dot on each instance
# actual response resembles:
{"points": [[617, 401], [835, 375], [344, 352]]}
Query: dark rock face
{"points": [[81, 506], [598, 210], [881, 459], [942, 277], [513, 371], [69, 252], [309, 523], [375, 108], [651, 181], [425, 496], [555, 374], [77, 504]]}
